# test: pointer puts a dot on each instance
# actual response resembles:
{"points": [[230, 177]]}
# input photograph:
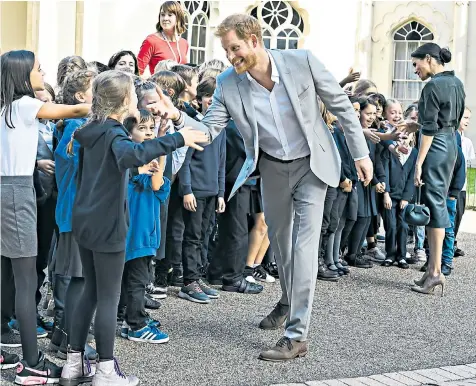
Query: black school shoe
{"points": [[150, 303], [402, 263], [458, 253], [243, 287], [272, 269]]}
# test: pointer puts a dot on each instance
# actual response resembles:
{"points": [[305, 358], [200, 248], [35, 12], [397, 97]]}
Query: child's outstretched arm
{"points": [[55, 111]]}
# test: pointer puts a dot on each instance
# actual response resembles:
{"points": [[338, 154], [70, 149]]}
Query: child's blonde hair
{"points": [[164, 65], [111, 90]]}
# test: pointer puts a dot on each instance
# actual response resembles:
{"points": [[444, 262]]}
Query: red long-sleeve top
{"points": [[154, 49]]}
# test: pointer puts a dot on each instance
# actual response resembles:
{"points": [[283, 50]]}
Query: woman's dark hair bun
{"points": [[445, 55]]}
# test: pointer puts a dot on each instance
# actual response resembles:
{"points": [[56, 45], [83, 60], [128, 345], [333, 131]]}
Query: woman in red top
{"points": [[166, 43]]}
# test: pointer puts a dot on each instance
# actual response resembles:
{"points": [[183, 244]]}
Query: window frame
{"points": [[287, 25], [191, 22], [406, 99]]}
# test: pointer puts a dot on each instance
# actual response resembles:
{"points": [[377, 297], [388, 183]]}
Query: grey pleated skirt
{"points": [[18, 204], [436, 174], [67, 258]]}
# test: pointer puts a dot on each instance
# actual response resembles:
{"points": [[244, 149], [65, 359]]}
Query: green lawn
{"points": [[471, 189]]}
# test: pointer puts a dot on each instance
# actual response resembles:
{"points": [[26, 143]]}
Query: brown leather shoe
{"points": [[276, 318], [285, 350]]}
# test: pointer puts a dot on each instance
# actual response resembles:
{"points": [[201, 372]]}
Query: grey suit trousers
{"points": [[293, 199]]}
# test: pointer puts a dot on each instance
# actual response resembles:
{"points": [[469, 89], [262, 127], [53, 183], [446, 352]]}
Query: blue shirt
{"points": [[66, 170], [143, 235]]}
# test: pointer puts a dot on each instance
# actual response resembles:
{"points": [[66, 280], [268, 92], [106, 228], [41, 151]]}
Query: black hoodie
{"points": [[106, 153]]}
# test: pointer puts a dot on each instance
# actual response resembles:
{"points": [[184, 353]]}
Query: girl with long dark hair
{"points": [[21, 76]]}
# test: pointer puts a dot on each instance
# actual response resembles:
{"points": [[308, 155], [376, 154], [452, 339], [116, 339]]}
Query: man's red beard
{"points": [[248, 63]]}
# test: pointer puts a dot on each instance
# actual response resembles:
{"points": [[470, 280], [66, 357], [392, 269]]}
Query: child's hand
{"points": [[380, 187], [163, 119], [403, 204], [403, 149], [370, 134], [221, 205], [387, 201], [47, 166], [189, 202], [144, 169]]}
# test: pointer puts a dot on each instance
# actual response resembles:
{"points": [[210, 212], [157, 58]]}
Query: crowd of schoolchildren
{"points": [[123, 206]]}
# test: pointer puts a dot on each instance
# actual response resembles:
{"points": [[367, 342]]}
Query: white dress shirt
{"points": [[279, 133]]}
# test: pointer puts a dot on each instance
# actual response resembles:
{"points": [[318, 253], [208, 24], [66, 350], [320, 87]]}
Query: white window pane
{"points": [[399, 70], [201, 57], [202, 37], [399, 90], [411, 72], [414, 90], [195, 36], [400, 51], [412, 46]]}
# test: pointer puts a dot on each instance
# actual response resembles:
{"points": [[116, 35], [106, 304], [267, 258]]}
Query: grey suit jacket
{"points": [[306, 80]]}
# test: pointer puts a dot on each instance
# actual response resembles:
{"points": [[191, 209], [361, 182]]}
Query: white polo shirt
{"points": [[18, 145]]}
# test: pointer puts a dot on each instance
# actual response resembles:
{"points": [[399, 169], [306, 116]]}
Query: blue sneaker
{"points": [[44, 323], [124, 330], [210, 292], [194, 293], [148, 334], [15, 326], [152, 322]]}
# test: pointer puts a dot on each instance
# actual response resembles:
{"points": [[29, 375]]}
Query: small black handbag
{"points": [[417, 214]]}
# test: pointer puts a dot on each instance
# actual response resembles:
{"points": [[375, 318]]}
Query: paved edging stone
{"points": [[461, 375]]}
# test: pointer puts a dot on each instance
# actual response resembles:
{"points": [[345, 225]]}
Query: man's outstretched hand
{"points": [[365, 170], [164, 106]]}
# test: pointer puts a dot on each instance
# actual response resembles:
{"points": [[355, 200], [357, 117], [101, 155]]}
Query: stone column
{"points": [[460, 38]]}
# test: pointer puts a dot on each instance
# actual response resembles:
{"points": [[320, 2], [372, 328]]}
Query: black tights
{"points": [[102, 288], [73, 294], [357, 235], [20, 274]]}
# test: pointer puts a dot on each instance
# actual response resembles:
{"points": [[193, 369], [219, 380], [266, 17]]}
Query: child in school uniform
{"points": [[19, 129], [99, 219], [457, 183], [147, 189], [168, 270], [346, 211], [77, 89], [202, 188], [367, 200], [399, 191]]}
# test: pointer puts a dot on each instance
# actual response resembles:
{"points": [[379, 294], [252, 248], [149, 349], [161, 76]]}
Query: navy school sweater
{"points": [[106, 152], [348, 169], [203, 172], [399, 178]]}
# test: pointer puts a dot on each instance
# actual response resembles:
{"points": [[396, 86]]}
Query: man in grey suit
{"points": [[273, 98]]}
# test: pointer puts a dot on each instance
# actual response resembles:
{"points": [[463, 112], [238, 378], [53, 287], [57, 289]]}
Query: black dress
{"points": [[440, 110]]}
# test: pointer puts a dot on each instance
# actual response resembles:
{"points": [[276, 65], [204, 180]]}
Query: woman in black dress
{"points": [[441, 108]]}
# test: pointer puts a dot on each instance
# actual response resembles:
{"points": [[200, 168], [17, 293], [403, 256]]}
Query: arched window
{"points": [[406, 85], [282, 24], [197, 14]]}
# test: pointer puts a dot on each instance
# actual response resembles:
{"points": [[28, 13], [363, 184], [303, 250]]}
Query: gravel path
{"points": [[368, 323]]}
